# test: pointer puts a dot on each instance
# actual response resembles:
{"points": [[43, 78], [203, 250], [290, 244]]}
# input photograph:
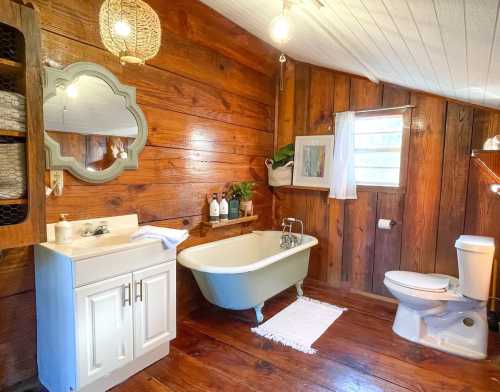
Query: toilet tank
{"points": [[475, 260]]}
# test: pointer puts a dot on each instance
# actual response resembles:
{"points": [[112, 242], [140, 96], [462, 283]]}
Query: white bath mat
{"points": [[300, 324]]}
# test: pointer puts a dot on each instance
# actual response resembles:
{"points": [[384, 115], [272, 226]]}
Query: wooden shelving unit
{"points": [[302, 188], [23, 220], [232, 222], [7, 132], [13, 202], [10, 67]]}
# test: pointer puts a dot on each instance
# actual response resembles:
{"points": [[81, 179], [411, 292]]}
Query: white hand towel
{"points": [[170, 237]]}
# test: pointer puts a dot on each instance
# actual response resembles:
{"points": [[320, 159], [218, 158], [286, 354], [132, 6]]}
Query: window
{"points": [[378, 144]]}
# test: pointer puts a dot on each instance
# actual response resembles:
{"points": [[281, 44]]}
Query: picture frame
{"points": [[313, 161]]}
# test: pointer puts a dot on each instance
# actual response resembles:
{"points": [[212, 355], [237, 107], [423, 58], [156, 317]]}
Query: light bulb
{"points": [[72, 91], [122, 28], [281, 29]]}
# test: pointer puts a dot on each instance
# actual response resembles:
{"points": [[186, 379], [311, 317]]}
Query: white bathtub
{"points": [[244, 271]]}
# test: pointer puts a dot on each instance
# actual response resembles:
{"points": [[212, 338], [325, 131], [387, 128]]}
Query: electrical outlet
{"points": [[57, 182]]}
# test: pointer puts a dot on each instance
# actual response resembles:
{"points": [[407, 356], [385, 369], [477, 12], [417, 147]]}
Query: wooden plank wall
{"points": [[430, 214], [209, 100]]}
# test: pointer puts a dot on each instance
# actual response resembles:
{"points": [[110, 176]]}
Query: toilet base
{"points": [[459, 328]]}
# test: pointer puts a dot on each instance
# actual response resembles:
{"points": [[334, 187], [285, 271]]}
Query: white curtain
{"points": [[343, 182]]}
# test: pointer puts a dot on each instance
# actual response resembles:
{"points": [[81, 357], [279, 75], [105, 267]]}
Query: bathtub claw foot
{"points": [[298, 285], [258, 313]]}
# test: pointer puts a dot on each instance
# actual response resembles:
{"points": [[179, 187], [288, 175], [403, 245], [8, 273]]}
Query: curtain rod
{"points": [[383, 109]]}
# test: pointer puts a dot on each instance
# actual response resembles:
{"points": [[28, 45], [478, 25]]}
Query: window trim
{"points": [[406, 112]]}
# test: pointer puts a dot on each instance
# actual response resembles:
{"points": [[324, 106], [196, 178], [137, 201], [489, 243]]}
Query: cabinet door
{"points": [[104, 325], [154, 307]]}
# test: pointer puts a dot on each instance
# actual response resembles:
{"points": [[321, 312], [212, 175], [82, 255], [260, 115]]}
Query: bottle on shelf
{"points": [[234, 207], [224, 208], [214, 209]]}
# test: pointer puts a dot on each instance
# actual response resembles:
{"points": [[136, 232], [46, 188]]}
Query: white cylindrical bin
{"points": [[475, 260]]}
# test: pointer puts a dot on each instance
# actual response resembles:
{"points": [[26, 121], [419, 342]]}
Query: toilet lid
{"points": [[418, 281]]}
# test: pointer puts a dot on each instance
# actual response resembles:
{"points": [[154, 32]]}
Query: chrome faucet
{"points": [[288, 239], [88, 229]]}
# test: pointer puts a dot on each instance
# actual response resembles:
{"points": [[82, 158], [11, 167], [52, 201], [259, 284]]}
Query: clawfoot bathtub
{"points": [[244, 271]]}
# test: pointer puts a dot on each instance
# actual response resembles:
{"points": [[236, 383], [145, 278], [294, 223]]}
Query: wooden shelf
{"points": [[11, 202], [245, 219], [6, 132], [302, 188], [9, 67]]}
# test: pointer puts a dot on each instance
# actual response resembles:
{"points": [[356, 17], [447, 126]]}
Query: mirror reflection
{"points": [[90, 122]]}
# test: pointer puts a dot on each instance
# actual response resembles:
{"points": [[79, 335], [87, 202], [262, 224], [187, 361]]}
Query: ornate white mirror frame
{"points": [[56, 161]]}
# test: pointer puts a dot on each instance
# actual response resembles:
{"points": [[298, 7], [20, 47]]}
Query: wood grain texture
{"points": [[457, 151], [387, 255], [365, 94], [286, 112], [486, 125], [216, 351], [394, 96], [359, 240], [209, 102], [166, 90], [321, 101], [32, 229], [424, 184], [302, 86]]}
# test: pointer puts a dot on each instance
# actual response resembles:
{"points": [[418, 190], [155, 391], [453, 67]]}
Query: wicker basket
{"points": [[281, 176], [12, 171]]}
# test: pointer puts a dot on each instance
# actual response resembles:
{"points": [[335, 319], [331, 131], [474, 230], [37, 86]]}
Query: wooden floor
{"points": [[216, 351]]}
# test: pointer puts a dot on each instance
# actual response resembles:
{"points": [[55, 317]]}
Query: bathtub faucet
{"points": [[288, 239]]}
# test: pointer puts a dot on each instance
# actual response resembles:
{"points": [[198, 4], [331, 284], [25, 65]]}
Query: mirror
{"points": [[93, 125]]}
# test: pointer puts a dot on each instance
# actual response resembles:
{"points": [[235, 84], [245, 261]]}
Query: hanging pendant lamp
{"points": [[130, 29]]}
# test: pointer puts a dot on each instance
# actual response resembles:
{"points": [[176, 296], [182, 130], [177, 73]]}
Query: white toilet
{"points": [[444, 312]]}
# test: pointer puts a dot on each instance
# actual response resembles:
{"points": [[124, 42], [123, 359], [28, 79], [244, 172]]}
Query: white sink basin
{"points": [[86, 247]]}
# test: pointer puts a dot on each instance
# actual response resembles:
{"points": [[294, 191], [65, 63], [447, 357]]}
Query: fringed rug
{"points": [[300, 324]]}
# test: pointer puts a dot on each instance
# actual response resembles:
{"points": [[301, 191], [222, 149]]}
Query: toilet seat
{"points": [[417, 281], [435, 287]]}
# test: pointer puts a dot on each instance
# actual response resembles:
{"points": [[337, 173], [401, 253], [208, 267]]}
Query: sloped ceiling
{"points": [[445, 47]]}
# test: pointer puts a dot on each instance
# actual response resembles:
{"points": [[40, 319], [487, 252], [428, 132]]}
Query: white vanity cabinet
{"points": [[104, 311]]}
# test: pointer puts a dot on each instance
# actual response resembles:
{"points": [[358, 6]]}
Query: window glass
{"points": [[377, 142]]}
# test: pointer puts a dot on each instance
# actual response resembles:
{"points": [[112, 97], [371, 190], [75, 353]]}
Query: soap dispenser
{"points": [[63, 230], [214, 209], [224, 208]]}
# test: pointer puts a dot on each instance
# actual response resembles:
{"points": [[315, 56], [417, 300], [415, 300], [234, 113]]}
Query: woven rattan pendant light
{"points": [[130, 29]]}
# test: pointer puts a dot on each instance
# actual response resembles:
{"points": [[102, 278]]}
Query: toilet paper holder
{"points": [[386, 224]]}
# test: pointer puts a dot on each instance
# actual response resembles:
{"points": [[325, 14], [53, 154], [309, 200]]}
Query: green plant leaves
{"points": [[283, 156]]}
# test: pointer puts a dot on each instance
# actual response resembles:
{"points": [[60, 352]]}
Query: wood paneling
{"points": [[486, 125], [365, 94], [429, 211], [387, 255], [359, 240], [209, 99], [286, 111], [457, 153], [321, 100], [165, 90], [394, 96], [424, 183]]}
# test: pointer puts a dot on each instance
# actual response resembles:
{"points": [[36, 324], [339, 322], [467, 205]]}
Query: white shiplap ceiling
{"points": [[446, 47]]}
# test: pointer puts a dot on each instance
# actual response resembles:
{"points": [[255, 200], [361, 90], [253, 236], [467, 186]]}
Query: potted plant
{"points": [[244, 192], [280, 167]]}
